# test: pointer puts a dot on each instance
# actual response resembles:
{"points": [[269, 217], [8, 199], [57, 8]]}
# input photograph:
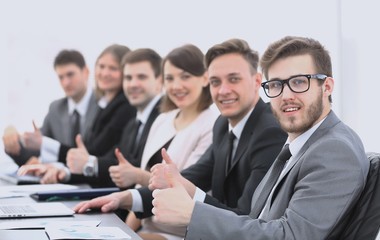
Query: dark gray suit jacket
{"points": [[57, 123], [259, 144], [312, 199]]}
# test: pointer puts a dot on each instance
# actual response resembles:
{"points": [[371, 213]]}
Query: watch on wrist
{"points": [[89, 168]]}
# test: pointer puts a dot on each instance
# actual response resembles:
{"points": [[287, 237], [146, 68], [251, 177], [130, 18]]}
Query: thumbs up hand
{"points": [[77, 157], [124, 174], [11, 140], [173, 205], [32, 140], [158, 180]]}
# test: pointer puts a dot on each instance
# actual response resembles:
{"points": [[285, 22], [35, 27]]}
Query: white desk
{"points": [[107, 219]]}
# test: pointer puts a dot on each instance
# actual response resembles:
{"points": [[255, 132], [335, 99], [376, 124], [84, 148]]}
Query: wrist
{"points": [[142, 177], [90, 169], [125, 200]]}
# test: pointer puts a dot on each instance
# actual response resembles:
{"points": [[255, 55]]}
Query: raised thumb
{"points": [[120, 157], [166, 156], [36, 129], [79, 142]]}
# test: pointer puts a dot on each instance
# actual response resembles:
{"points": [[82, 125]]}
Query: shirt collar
{"points": [[82, 105], [144, 114], [238, 129], [296, 145]]}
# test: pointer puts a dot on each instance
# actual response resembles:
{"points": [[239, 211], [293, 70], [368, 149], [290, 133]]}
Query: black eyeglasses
{"points": [[298, 84]]}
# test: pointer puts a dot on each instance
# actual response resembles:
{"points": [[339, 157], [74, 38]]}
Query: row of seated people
{"points": [[213, 165]]}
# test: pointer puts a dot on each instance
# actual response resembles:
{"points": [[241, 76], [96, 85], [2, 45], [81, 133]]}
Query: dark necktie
{"points": [[135, 137], [230, 150], [75, 126], [278, 165]]}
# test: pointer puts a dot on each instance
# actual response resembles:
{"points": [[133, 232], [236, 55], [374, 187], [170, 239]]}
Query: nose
{"points": [[133, 82], [65, 81], [176, 84], [224, 89], [286, 92]]}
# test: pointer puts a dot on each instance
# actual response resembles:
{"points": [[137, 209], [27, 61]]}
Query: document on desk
{"points": [[25, 190], [42, 223], [58, 232]]}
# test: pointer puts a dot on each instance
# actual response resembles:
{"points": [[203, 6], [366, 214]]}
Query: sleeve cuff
{"points": [[199, 195], [49, 150], [137, 205]]}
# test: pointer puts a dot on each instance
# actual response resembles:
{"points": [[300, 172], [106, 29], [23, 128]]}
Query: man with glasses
{"points": [[315, 180]]}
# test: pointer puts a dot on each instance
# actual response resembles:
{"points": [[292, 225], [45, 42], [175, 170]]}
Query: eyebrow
{"points": [[279, 79]]}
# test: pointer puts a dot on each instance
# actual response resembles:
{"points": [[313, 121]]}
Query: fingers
{"points": [[61, 174], [173, 182], [31, 169], [166, 157], [12, 141], [120, 157], [33, 161], [82, 207], [79, 142]]}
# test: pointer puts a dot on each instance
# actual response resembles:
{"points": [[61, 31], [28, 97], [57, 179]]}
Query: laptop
{"points": [[20, 180], [24, 210]]}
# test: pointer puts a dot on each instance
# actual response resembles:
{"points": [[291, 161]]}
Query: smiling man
{"points": [[317, 177], [142, 85], [232, 167]]}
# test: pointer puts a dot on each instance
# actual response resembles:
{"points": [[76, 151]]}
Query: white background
{"points": [[33, 32]]}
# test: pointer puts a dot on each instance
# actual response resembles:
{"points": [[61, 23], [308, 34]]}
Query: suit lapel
{"points": [[166, 131], [91, 113], [329, 122], [65, 123], [144, 135], [220, 139], [247, 132]]}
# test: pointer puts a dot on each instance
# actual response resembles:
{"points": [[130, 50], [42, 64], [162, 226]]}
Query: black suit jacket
{"points": [[107, 129], [259, 144], [109, 159]]}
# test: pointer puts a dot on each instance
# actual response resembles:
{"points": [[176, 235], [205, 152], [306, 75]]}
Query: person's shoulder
{"points": [[58, 103]]}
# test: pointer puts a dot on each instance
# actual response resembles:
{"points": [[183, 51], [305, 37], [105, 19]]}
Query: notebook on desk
{"points": [[19, 180], [76, 194], [22, 210]]}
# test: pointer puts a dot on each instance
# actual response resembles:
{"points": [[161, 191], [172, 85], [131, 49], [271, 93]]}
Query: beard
{"points": [[305, 122]]}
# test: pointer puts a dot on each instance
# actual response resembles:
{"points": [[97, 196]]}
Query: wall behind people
{"points": [[35, 31]]}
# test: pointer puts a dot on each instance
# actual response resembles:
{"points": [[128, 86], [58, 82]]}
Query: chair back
{"points": [[364, 219]]}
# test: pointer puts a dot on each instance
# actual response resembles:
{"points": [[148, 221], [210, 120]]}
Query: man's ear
{"points": [[328, 86]]}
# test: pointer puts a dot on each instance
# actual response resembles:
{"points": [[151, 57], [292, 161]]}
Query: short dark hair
{"points": [[141, 55], [234, 45], [68, 56], [190, 59], [293, 46]]}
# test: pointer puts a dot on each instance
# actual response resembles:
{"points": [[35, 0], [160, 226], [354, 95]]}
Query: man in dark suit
{"points": [[143, 86], [234, 84], [73, 75], [317, 177]]}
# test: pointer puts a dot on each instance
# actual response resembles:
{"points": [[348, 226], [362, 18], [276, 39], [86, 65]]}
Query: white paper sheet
{"points": [[59, 232], [26, 190], [42, 223]]}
